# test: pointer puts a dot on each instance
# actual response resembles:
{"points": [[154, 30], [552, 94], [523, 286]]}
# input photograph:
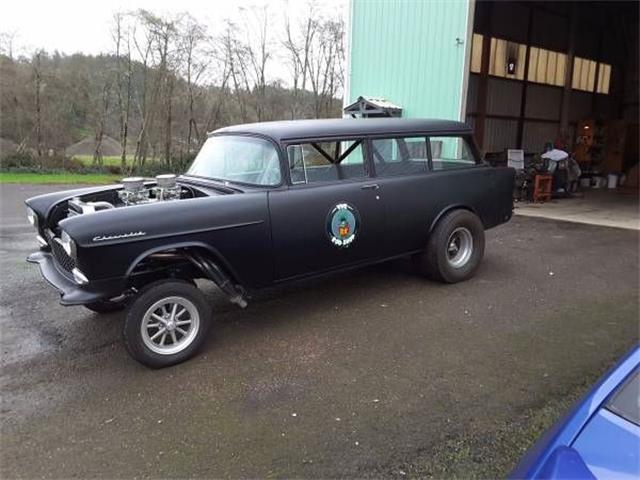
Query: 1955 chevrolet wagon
{"points": [[263, 204]]}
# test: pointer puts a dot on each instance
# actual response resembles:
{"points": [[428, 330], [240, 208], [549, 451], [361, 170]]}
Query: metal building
{"points": [[521, 73]]}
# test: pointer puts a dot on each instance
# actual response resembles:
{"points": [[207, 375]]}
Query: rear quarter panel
{"points": [[416, 203], [486, 191]]}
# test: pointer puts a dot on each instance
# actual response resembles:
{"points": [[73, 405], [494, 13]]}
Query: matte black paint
{"points": [[261, 236]]}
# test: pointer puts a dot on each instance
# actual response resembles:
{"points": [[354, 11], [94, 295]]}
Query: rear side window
{"points": [[450, 152], [400, 156], [326, 161]]}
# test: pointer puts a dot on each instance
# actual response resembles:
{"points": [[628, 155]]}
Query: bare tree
{"points": [[234, 53], [220, 53], [122, 40], [102, 111], [37, 84], [194, 39], [143, 43], [168, 79], [298, 46], [327, 54], [7, 41], [163, 33], [157, 46], [256, 55]]}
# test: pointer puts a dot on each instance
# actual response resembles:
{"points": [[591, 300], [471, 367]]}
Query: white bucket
{"points": [[612, 180]]}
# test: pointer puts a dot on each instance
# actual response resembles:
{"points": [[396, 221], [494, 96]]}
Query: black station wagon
{"points": [[263, 204]]}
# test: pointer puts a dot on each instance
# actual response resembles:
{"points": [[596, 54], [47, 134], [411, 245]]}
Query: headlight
{"points": [[32, 217], [67, 244]]}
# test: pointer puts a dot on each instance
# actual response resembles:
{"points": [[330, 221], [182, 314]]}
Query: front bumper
{"points": [[70, 292]]}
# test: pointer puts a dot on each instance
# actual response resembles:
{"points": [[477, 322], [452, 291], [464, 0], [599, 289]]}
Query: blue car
{"points": [[599, 438]]}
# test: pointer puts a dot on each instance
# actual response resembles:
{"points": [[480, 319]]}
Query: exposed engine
{"points": [[134, 192]]}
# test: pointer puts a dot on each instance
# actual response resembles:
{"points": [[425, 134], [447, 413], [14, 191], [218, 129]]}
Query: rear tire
{"points": [[455, 248], [167, 323]]}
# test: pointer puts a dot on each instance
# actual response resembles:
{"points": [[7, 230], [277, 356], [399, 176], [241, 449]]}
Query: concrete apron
{"points": [[608, 208]]}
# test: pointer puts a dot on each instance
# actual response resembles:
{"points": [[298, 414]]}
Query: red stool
{"points": [[542, 188]]}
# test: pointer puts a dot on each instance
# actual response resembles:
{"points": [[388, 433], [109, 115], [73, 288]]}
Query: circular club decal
{"points": [[342, 225]]}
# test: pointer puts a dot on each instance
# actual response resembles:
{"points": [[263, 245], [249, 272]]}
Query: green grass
{"points": [[49, 178], [107, 161], [494, 451]]}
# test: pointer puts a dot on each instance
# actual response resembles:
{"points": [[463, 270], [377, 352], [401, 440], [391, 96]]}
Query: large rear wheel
{"points": [[455, 248]]}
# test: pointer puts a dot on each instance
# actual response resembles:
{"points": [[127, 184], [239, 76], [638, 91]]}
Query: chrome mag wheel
{"points": [[170, 325], [459, 247]]}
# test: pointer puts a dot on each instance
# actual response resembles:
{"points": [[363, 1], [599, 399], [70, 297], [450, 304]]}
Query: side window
{"points": [[450, 152], [400, 156], [326, 161]]}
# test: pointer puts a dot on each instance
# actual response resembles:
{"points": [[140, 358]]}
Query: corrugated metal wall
{"points": [[407, 52], [542, 113], [580, 105], [535, 135], [503, 97], [499, 134], [543, 102]]}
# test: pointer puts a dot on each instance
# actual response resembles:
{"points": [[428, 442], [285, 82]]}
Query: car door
{"points": [[332, 215], [402, 171]]}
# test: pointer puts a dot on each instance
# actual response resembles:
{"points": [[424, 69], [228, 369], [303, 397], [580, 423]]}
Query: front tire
{"points": [[455, 248], [166, 324]]}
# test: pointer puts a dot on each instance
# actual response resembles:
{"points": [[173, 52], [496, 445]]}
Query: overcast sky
{"points": [[71, 26]]}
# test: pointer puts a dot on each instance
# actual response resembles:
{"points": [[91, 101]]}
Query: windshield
{"points": [[239, 159]]}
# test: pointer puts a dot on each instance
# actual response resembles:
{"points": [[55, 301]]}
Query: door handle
{"points": [[371, 186]]}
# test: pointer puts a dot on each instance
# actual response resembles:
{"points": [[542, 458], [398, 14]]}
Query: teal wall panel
{"points": [[412, 53]]}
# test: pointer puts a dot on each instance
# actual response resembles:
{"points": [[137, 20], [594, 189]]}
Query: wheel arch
{"points": [[205, 259], [450, 208], [212, 253]]}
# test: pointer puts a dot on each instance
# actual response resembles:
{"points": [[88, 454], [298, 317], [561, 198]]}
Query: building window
{"points": [[604, 78], [584, 74], [546, 66], [507, 59], [476, 53]]}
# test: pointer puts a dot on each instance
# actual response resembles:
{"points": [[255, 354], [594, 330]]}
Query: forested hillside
{"points": [[167, 81]]}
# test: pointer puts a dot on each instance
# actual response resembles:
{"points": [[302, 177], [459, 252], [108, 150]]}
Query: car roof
{"points": [[335, 127]]}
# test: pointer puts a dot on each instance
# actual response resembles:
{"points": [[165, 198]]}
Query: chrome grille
{"points": [[61, 257]]}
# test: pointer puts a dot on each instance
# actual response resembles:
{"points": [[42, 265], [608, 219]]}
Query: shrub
{"points": [[18, 160], [114, 169], [28, 163]]}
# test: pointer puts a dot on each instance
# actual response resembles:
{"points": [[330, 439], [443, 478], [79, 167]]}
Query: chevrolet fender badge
{"points": [[104, 238]]}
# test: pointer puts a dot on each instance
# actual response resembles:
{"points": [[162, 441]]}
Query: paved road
{"points": [[349, 376]]}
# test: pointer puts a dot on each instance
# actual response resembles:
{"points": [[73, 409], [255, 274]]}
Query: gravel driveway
{"points": [[361, 374]]}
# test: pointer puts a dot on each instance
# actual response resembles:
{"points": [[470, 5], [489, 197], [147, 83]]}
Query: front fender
{"points": [[235, 228]]}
